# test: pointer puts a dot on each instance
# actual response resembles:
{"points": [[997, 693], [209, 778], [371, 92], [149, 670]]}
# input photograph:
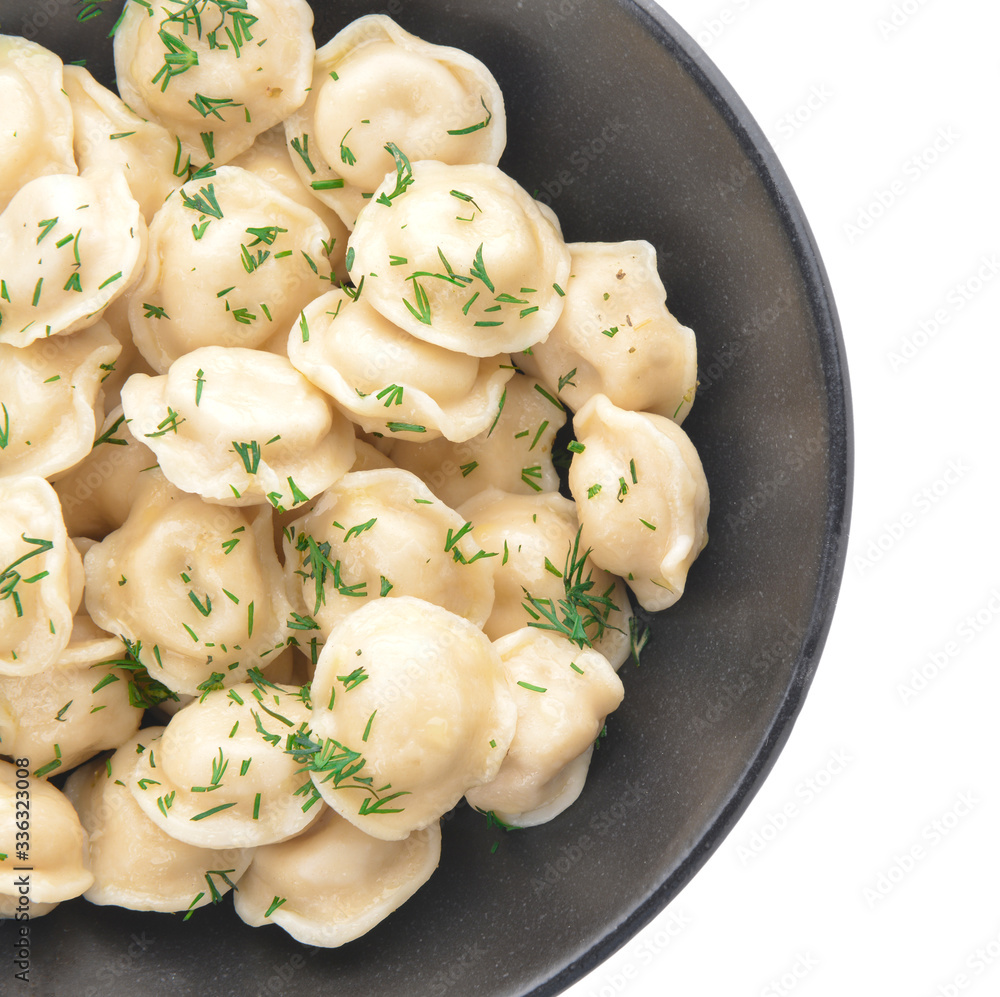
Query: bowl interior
{"points": [[639, 139]]}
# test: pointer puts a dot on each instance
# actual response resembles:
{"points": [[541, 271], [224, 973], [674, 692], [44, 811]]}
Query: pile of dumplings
{"points": [[286, 569]]}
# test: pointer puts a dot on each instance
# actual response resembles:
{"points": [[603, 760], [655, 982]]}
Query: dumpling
{"points": [[50, 400], [545, 577], [240, 427], [616, 336], [563, 694], [97, 494], [642, 498], [195, 588], [41, 581], [270, 159], [75, 708], [376, 84], [135, 864], [460, 256], [109, 135], [52, 843], [332, 883], [36, 121], [219, 775], [382, 534], [232, 262], [368, 457], [71, 245], [411, 709], [514, 454], [390, 382], [215, 77]]}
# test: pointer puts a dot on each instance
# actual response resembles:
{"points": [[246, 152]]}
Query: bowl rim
{"points": [[695, 62]]}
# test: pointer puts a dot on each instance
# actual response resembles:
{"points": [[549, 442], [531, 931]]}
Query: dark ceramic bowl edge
{"points": [[840, 479]]}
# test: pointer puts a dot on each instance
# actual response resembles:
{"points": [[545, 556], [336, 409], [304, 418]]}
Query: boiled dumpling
{"points": [[215, 77], [36, 121], [71, 245], [41, 581], [376, 85], [195, 588], [563, 694], [107, 134], [97, 494], [616, 336], [240, 427], [411, 709], [382, 534], [218, 776], [51, 400], [390, 382], [460, 256], [232, 262], [135, 864], [642, 498], [332, 883], [544, 576], [513, 454]]}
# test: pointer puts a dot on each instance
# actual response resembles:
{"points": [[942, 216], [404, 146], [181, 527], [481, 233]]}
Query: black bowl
{"points": [[621, 123]]}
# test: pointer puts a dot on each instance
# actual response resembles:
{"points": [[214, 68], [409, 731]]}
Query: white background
{"points": [[869, 862]]}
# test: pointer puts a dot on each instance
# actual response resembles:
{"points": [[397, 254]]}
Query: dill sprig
{"points": [[317, 567], [144, 692], [342, 766], [404, 174], [10, 577], [492, 820], [581, 610], [477, 126]]}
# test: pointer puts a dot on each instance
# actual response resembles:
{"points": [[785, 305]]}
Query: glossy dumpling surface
{"points": [[135, 864], [195, 588], [240, 427], [376, 85], [215, 74], [332, 883], [417, 699], [642, 498], [481, 276]]}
